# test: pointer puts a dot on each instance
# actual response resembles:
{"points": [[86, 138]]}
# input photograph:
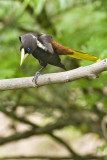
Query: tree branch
{"points": [[36, 157], [62, 77], [61, 141], [52, 158], [35, 131], [12, 115], [23, 120]]}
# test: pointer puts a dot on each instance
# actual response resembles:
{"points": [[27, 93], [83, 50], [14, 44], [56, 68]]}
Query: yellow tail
{"points": [[84, 56], [62, 50]]}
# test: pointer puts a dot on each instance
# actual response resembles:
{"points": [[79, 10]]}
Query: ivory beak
{"points": [[23, 56]]}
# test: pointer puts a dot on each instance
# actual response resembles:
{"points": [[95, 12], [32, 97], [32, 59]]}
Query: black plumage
{"points": [[45, 58], [47, 51], [39, 45]]}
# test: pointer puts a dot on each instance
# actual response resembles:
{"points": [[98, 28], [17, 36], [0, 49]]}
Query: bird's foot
{"points": [[35, 77]]}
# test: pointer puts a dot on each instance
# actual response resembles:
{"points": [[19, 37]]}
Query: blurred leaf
{"points": [[79, 25], [37, 6]]}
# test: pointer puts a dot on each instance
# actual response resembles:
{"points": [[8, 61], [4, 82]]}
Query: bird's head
{"points": [[29, 44]]}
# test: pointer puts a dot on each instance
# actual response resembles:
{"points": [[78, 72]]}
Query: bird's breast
{"points": [[42, 55]]}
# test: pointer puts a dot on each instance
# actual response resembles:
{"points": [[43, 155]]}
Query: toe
{"points": [[35, 77]]}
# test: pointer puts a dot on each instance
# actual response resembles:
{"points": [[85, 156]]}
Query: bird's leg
{"points": [[37, 74]]}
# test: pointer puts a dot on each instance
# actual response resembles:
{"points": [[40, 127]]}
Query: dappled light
{"points": [[56, 121]]}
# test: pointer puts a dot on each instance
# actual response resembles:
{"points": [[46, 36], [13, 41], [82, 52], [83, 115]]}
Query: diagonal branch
{"points": [[23, 120], [62, 77], [12, 115], [61, 141]]}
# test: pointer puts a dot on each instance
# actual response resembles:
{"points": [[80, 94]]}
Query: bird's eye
{"points": [[28, 50]]}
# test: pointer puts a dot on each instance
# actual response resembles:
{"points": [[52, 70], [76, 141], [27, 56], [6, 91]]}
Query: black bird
{"points": [[47, 51]]}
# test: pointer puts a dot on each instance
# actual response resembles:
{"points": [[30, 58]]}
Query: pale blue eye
{"points": [[28, 50]]}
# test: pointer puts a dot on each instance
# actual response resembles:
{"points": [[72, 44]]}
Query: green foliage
{"points": [[80, 25]]}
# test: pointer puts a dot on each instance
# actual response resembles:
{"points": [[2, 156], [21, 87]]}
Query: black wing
{"points": [[46, 40]]}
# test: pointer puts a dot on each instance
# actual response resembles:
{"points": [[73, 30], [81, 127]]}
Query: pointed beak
{"points": [[23, 56]]}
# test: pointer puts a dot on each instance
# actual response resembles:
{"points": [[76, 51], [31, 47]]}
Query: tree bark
{"points": [[61, 77]]}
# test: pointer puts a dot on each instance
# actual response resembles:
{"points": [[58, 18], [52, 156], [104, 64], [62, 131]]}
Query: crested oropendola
{"points": [[47, 51]]}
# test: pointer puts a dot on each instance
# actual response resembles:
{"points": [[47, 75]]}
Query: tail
{"points": [[84, 56], [61, 50]]}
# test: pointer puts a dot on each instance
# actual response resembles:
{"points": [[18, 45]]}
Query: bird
{"points": [[47, 51]]}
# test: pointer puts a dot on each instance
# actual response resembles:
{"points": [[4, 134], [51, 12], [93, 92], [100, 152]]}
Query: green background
{"points": [[77, 24]]}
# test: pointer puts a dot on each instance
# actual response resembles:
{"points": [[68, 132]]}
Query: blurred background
{"points": [[59, 119]]}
